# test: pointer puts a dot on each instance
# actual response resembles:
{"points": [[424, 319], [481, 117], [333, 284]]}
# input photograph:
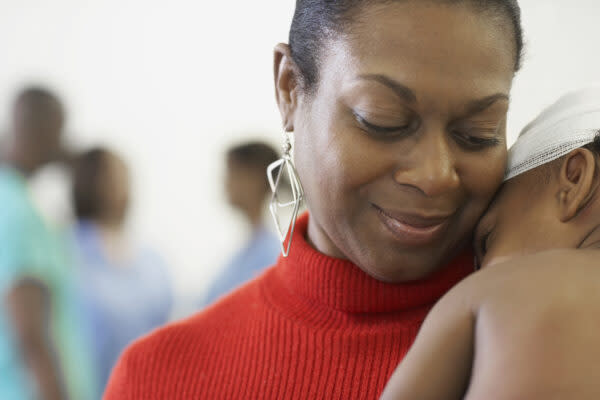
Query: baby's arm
{"points": [[438, 365]]}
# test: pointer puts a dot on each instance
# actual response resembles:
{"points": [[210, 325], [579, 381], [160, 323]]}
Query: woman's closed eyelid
{"points": [[375, 113], [484, 134], [380, 127], [490, 131], [475, 143]]}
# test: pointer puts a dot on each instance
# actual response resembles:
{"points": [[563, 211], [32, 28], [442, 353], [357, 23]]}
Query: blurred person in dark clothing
{"points": [[41, 353], [247, 190], [124, 287]]}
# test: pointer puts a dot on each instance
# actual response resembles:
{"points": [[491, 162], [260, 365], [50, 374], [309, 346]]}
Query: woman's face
{"points": [[401, 145]]}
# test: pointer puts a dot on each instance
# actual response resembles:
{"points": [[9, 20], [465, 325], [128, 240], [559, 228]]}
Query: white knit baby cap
{"points": [[572, 122]]}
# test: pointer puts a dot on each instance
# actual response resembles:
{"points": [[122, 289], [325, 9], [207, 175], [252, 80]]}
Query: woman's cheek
{"points": [[485, 173]]}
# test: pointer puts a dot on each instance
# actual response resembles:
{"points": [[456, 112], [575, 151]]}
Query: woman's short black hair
{"points": [[315, 20]]}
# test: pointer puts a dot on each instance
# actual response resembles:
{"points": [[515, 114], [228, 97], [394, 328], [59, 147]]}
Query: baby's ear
{"points": [[577, 182]]}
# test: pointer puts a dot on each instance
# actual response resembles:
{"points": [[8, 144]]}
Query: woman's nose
{"points": [[433, 167]]}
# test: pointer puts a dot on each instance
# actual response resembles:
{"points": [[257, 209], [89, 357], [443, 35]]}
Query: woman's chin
{"points": [[401, 271]]}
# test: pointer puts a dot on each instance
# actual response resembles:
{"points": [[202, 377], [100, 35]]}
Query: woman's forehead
{"points": [[451, 54]]}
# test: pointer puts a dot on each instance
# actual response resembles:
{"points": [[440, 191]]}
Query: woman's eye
{"points": [[385, 132], [471, 142]]}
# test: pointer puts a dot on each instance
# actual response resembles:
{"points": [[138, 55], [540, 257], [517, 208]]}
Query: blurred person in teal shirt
{"points": [[41, 353], [124, 287]]}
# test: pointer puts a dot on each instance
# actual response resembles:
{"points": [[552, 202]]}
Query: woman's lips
{"points": [[412, 229]]}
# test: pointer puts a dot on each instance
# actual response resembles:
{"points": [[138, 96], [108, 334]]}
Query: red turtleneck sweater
{"points": [[311, 327]]}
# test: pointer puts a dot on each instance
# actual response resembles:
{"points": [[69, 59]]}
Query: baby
{"points": [[527, 326]]}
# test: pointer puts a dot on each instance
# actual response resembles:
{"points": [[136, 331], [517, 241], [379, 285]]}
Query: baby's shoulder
{"points": [[551, 267], [565, 277], [536, 325]]}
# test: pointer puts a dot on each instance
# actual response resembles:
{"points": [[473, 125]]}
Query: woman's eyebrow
{"points": [[401, 90], [407, 94]]}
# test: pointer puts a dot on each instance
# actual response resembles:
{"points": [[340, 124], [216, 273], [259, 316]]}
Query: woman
{"points": [[399, 113], [125, 290]]}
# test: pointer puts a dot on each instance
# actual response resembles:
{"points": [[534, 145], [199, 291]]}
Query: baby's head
{"points": [[551, 195]]}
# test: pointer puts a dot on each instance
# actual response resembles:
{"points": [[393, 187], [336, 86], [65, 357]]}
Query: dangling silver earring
{"points": [[275, 173]]}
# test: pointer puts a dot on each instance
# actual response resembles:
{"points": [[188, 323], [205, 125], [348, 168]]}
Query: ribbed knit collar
{"points": [[339, 284]]}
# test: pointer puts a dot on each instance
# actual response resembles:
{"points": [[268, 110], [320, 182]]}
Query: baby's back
{"points": [[537, 329]]}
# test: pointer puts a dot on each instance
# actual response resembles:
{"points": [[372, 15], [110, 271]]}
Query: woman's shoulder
{"points": [[229, 312]]}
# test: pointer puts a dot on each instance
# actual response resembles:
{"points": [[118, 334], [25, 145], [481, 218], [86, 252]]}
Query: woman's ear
{"points": [[287, 88], [577, 182]]}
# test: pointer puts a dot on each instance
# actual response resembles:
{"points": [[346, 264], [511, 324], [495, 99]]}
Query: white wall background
{"points": [[171, 84]]}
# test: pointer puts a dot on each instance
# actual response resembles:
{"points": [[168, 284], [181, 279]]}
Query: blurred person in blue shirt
{"points": [[125, 288], [247, 191], [41, 354]]}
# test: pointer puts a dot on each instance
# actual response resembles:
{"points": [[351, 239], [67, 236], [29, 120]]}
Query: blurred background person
{"points": [[247, 190], [41, 353], [125, 288]]}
